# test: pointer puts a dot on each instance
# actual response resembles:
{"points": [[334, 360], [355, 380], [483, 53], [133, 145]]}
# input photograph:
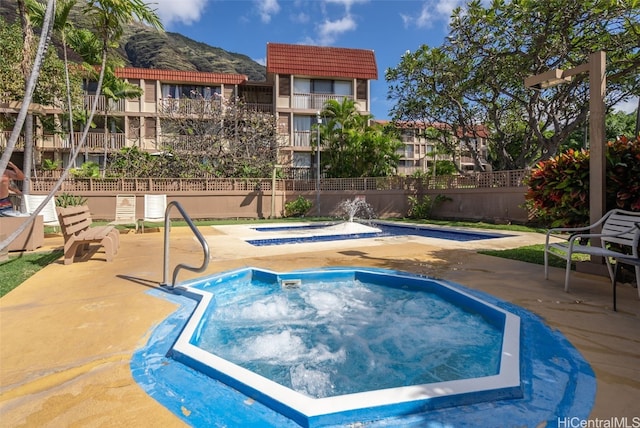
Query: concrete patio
{"points": [[68, 333]]}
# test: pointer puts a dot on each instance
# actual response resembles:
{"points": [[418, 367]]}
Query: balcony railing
{"points": [[46, 141], [4, 139], [302, 139], [114, 141], [315, 101], [260, 107], [186, 106], [104, 104]]}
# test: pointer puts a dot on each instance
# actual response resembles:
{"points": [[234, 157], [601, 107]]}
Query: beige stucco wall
{"points": [[489, 204]]}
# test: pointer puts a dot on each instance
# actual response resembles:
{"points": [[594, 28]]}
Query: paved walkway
{"points": [[67, 334]]}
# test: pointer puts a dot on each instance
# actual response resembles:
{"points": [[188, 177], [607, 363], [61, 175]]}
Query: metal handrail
{"points": [[203, 242]]}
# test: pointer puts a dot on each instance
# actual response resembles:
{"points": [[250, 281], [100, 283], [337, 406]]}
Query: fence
{"points": [[497, 196], [45, 181]]}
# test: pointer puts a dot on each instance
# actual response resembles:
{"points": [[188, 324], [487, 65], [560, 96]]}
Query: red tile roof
{"points": [[321, 61], [181, 76]]}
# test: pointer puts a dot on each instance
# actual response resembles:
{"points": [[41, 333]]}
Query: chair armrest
{"points": [[568, 229], [599, 235]]}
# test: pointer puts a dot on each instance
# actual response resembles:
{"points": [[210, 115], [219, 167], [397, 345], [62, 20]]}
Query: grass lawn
{"points": [[533, 254], [18, 268]]}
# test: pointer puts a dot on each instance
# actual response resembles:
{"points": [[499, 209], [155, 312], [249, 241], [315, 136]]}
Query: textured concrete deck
{"points": [[67, 334]]}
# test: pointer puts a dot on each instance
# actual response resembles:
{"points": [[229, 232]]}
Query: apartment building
{"points": [[423, 149], [300, 79], [304, 78]]}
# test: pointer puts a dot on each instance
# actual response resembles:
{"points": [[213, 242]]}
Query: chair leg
{"points": [[614, 282], [567, 274], [609, 268], [109, 247], [546, 264]]}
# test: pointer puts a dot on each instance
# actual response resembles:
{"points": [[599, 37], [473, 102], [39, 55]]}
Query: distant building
{"points": [[420, 152]]}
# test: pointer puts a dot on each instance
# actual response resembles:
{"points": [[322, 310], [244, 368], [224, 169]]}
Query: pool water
{"points": [[383, 230], [341, 345], [327, 338]]}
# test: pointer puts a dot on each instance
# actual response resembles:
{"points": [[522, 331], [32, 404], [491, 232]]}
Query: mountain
{"points": [[144, 47]]}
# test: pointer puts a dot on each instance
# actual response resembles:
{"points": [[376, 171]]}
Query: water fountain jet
{"points": [[356, 207]]}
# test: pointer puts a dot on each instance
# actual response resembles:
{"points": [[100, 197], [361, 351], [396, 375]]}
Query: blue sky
{"points": [[388, 27]]}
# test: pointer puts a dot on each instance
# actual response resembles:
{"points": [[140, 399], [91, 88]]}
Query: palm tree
{"points": [[30, 82], [62, 26], [108, 18], [115, 89]]}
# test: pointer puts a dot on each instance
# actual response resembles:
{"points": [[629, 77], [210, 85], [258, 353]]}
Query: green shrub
{"points": [[50, 165], [87, 170], [558, 193], [297, 208], [68, 200], [421, 207]]}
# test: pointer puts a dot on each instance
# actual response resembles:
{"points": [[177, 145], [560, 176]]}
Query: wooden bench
{"points": [[75, 223]]}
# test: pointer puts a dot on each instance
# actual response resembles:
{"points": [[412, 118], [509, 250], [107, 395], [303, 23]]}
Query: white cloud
{"points": [[330, 30], [445, 7], [300, 18], [183, 11], [627, 106], [431, 11], [266, 9], [347, 3]]}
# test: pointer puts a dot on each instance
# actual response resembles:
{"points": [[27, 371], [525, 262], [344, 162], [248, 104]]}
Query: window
{"points": [[150, 127], [189, 91], [302, 160], [301, 93], [362, 89], [408, 151], [284, 84], [283, 124], [90, 87], [149, 91], [322, 86], [302, 131], [342, 87]]}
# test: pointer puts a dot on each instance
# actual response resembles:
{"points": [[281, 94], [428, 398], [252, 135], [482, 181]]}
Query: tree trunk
{"points": [[28, 158]]}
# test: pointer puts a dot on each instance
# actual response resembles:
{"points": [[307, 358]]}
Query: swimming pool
{"points": [[524, 397], [307, 233]]}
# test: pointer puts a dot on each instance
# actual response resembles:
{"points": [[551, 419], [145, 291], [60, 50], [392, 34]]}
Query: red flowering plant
{"points": [[558, 193]]}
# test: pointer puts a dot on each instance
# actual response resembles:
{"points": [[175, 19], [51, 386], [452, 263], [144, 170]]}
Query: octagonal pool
{"points": [[342, 345], [356, 346]]}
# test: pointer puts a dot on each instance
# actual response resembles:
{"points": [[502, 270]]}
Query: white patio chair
{"points": [[618, 229], [48, 213], [125, 211], [154, 209]]}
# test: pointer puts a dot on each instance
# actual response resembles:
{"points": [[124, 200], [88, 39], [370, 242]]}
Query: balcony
{"points": [[315, 101], [260, 107], [4, 139], [187, 106], [45, 141], [302, 139], [104, 104], [95, 141]]}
